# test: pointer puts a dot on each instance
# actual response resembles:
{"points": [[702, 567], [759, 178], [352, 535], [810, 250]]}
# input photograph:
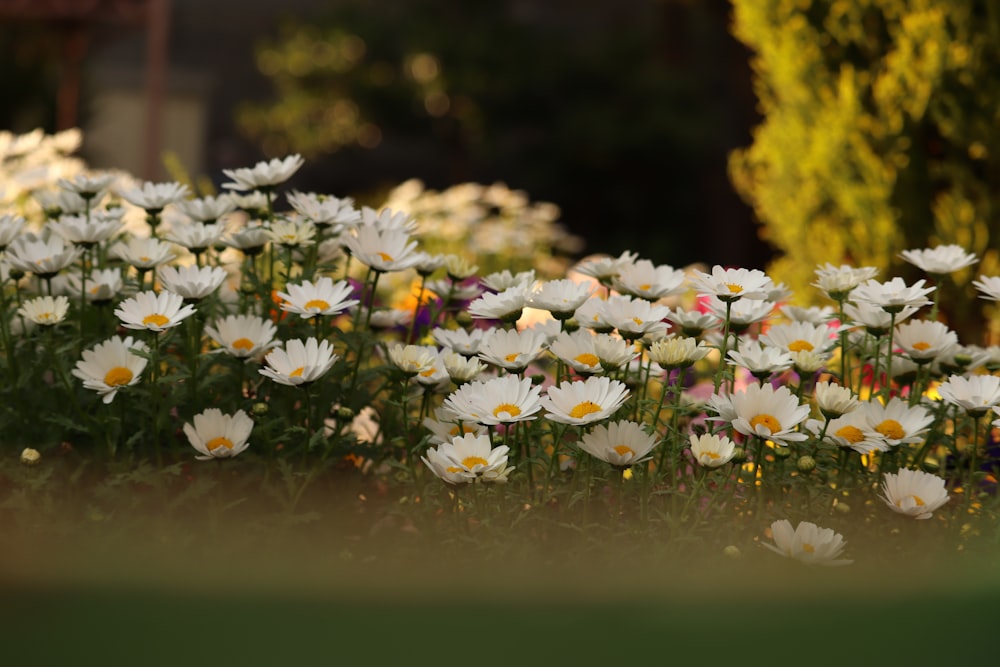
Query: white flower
{"points": [[154, 196], [940, 260], [206, 209], [875, 320], [577, 350], [10, 228], [850, 430], [677, 352], [324, 210], [893, 296], [263, 174], [604, 268], [243, 336], [216, 435], [730, 285], [811, 315], [693, 323], [412, 359], [620, 443], [977, 394], [807, 543], [503, 400], [925, 340], [591, 316], [102, 286], [153, 312], [742, 313], [300, 362], [444, 426], [989, 286], [560, 297], [799, 337], [762, 361], [40, 256], [914, 492], [504, 280], [324, 297], [506, 305], [768, 413], [144, 253], [386, 251], [86, 231], [88, 185], [613, 352], [192, 282], [466, 343], [459, 268], [30, 457], [250, 240], [896, 422], [634, 318], [196, 236], [644, 280], [468, 458], [460, 368], [834, 400], [584, 402], [839, 281], [711, 450], [292, 233], [111, 365], [387, 219], [45, 310], [511, 349]]}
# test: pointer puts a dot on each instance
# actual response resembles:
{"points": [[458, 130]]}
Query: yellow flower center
{"points": [[800, 346], [584, 409], [891, 429], [472, 461], [587, 359], [918, 500], [851, 434], [645, 287], [637, 321], [429, 372], [770, 422], [297, 373], [386, 257], [221, 441], [624, 450], [243, 344], [712, 455], [156, 319], [808, 548], [457, 431], [118, 376], [509, 408], [144, 259], [921, 345], [734, 288], [511, 358], [46, 317], [318, 304]]}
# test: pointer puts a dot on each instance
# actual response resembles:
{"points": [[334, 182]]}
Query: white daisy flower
{"points": [[506, 306], [324, 297], [391, 250], [153, 312], [110, 366], [86, 231], [977, 394], [87, 185], [196, 236], [560, 297], [143, 253], [468, 458], [874, 319], [45, 310], [800, 336], [445, 427], [324, 210], [299, 362], [59, 203], [387, 219], [914, 492], [460, 368], [243, 336], [896, 422], [102, 286], [250, 240], [206, 209], [613, 352], [504, 280], [43, 257], [893, 296], [925, 340], [192, 282], [584, 402], [834, 400], [263, 175], [849, 430], [465, 342], [644, 280], [712, 451], [839, 281], [730, 285], [511, 349], [762, 361], [621, 443], [216, 435], [810, 315], [10, 228], [635, 318], [412, 359], [677, 352], [502, 400], [768, 413], [941, 260], [807, 543], [577, 350], [989, 287], [591, 316], [292, 233], [154, 197], [693, 323], [603, 268]]}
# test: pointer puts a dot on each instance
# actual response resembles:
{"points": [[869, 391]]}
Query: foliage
{"points": [[880, 129]]}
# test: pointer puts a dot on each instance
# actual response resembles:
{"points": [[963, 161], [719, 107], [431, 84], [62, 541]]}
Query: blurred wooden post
{"points": [[157, 32]]}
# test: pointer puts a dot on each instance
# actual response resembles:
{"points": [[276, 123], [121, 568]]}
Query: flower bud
{"points": [[782, 452], [344, 413], [260, 409], [30, 457], [806, 463], [733, 552]]}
